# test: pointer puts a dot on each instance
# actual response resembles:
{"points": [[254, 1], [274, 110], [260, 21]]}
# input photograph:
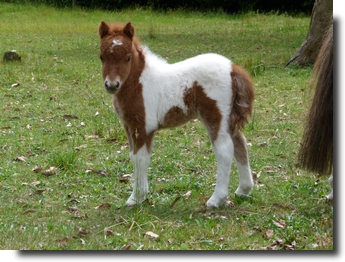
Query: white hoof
{"points": [[330, 196], [215, 201], [134, 200], [240, 191]]}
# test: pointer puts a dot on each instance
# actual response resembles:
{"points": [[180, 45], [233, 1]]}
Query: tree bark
{"points": [[321, 19]]}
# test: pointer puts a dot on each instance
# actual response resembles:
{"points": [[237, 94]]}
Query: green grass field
{"points": [[56, 116]]}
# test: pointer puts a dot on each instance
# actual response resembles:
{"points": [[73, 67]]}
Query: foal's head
{"points": [[116, 54]]}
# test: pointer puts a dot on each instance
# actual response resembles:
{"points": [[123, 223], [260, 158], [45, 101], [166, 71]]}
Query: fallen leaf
{"points": [[29, 211], [74, 200], [37, 169], [108, 231], [20, 159], [174, 202], [100, 172], [269, 233], [228, 203], [112, 140], [103, 206], [262, 144], [123, 180], [82, 231], [81, 147], [292, 246], [280, 223], [70, 117], [151, 234], [35, 183], [15, 85], [126, 247], [51, 171], [40, 191], [188, 194], [63, 240], [92, 136], [271, 171], [72, 209], [314, 245], [277, 244]]}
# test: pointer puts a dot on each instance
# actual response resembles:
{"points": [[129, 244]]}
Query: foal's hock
{"points": [[149, 94]]}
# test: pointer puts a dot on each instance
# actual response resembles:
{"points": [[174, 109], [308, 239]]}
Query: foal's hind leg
{"points": [[224, 151], [242, 162]]}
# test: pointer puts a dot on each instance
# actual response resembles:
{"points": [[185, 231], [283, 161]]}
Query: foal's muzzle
{"points": [[111, 87]]}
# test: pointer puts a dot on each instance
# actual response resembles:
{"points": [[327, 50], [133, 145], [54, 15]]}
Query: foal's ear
{"points": [[129, 30], [103, 29]]}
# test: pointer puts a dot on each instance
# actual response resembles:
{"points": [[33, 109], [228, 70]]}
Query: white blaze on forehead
{"points": [[115, 43]]}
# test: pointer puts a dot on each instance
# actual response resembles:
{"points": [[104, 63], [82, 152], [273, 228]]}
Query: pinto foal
{"points": [[149, 94]]}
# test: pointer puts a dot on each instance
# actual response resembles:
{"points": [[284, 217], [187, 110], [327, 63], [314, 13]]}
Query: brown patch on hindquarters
{"points": [[208, 112]]}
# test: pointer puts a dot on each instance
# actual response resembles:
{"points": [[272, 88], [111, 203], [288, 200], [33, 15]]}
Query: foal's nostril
{"points": [[106, 85], [117, 84]]}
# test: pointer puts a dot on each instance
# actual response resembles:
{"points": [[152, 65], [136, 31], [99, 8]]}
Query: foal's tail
{"points": [[243, 98], [316, 150]]}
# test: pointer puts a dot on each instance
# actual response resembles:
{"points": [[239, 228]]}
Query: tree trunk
{"points": [[321, 19]]}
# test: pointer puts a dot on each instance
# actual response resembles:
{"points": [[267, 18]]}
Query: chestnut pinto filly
{"points": [[150, 94]]}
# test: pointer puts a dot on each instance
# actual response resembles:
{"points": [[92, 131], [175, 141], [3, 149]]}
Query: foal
{"points": [[149, 94]]}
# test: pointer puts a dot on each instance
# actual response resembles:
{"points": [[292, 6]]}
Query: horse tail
{"points": [[243, 98], [316, 149]]}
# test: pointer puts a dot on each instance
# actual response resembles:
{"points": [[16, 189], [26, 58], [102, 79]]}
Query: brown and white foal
{"points": [[149, 94]]}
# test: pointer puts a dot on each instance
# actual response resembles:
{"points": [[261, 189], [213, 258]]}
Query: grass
{"points": [[60, 116]]}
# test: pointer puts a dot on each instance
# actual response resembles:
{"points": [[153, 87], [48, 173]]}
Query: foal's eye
{"points": [[128, 59]]}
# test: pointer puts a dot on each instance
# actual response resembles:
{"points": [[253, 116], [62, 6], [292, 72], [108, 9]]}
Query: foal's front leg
{"points": [[140, 161], [140, 148]]}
